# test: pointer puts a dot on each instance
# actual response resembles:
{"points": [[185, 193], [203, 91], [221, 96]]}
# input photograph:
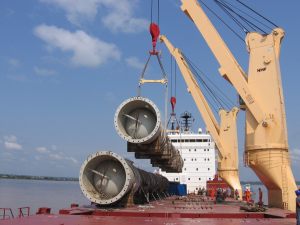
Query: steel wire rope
{"points": [[209, 91], [218, 17], [233, 18], [248, 22], [229, 102], [209, 100], [151, 11], [158, 11], [222, 102], [205, 86], [265, 25], [175, 80], [248, 7], [171, 74]]}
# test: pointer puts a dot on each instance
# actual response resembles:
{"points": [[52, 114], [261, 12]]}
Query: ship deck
{"points": [[171, 211]]}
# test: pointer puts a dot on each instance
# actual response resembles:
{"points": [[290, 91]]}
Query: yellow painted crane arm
{"points": [[230, 69], [194, 89], [224, 134]]}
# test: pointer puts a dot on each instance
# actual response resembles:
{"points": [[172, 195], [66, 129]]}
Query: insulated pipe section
{"points": [[138, 121], [107, 178]]}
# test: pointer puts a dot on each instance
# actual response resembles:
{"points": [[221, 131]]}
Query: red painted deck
{"points": [[171, 211]]}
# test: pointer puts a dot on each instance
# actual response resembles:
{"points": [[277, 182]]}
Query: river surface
{"points": [[56, 194], [39, 193]]}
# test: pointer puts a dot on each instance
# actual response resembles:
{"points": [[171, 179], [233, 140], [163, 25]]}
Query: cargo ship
{"points": [[198, 153], [120, 193]]}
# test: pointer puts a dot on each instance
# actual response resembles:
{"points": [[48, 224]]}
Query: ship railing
{"points": [[24, 211], [6, 213]]}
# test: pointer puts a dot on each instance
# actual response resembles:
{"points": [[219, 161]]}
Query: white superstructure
{"points": [[199, 155]]}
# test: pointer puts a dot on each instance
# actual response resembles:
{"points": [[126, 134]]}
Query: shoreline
{"points": [[50, 178], [30, 177]]}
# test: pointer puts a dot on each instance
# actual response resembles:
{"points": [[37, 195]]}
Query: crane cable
{"points": [[238, 23], [233, 13], [245, 23], [217, 96], [247, 19], [173, 72], [158, 11], [252, 17], [252, 10], [223, 21]]}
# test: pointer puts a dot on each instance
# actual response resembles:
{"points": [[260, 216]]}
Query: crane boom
{"points": [[225, 134], [194, 89], [230, 68], [266, 142]]}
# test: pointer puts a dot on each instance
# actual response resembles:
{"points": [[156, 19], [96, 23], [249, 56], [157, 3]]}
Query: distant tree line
{"points": [[29, 177]]}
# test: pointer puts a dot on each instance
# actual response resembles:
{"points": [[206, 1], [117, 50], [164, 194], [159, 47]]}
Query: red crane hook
{"points": [[155, 32]]}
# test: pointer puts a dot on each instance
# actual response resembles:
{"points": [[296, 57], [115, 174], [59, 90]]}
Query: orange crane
{"points": [[266, 142]]}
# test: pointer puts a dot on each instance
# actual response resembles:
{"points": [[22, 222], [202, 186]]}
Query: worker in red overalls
{"points": [[260, 196], [236, 193]]}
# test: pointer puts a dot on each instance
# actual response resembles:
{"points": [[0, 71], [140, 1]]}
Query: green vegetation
{"points": [[28, 177]]}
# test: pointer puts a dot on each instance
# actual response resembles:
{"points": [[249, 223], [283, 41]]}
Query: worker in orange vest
{"points": [[247, 195], [212, 193]]}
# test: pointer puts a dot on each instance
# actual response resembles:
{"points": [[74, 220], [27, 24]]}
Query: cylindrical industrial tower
{"points": [[108, 179], [137, 120]]}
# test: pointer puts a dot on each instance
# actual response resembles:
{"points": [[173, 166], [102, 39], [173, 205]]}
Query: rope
{"points": [[248, 7], [158, 12], [151, 11], [232, 17], [171, 74], [218, 17], [175, 79], [248, 22], [233, 6], [220, 101]]}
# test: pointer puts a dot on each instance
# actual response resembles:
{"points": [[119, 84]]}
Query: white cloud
{"points": [[60, 156], [56, 156], [77, 10], [10, 143], [295, 154], [135, 63], [87, 50], [43, 72], [53, 154], [42, 150], [72, 159], [119, 16], [15, 63]]}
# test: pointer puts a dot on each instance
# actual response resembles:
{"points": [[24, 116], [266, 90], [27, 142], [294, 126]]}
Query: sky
{"points": [[66, 65]]}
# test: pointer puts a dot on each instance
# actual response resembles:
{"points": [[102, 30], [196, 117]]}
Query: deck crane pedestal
{"points": [[224, 134], [266, 142]]}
